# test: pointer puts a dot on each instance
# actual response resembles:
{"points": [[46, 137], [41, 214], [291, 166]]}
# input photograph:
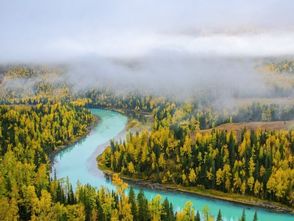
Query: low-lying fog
{"points": [[177, 48]]}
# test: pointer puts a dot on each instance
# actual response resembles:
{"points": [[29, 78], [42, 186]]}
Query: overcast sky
{"points": [[63, 29]]}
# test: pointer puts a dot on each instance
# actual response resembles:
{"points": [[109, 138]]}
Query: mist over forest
{"points": [[147, 110], [187, 53]]}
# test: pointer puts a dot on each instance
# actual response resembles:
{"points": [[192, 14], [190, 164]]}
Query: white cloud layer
{"points": [[35, 30]]}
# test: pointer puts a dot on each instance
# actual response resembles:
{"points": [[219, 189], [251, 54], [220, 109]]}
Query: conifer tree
{"points": [[219, 216], [255, 218], [132, 201], [243, 217]]}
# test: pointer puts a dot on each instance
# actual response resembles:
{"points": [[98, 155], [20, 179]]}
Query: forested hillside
{"points": [[48, 116], [147, 110], [284, 66], [206, 115], [28, 135], [258, 163]]}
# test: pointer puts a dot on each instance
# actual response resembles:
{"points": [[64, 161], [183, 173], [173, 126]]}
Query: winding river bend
{"points": [[78, 163]]}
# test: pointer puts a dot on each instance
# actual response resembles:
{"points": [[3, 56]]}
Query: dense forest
{"points": [[147, 110], [47, 116], [46, 85], [29, 134], [41, 129], [175, 151], [260, 163], [207, 116], [284, 66]]}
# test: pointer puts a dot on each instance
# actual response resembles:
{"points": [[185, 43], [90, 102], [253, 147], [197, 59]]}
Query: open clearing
{"points": [[272, 125]]}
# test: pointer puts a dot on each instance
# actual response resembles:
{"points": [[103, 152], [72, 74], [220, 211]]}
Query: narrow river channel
{"points": [[78, 163]]}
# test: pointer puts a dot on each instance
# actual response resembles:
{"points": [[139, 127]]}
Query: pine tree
{"points": [[255, 218], [232, 151], [143, 211], [243, 217], [197, 217], [167, 211], [132, 201], [219, 216], [171, 213], [70, 196]]}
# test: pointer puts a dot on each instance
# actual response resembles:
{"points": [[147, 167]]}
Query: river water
{"points": [[78, 163]]}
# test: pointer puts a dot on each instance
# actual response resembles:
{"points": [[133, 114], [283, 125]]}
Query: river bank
{"points": [[75, 163], [74, 141], [213, 194], [208, 193]]}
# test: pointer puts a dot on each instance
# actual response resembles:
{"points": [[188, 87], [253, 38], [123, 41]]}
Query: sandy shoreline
{"points": [[92, 162]]}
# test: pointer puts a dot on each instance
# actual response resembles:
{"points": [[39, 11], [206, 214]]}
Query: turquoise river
{"points": [[78, 163]]}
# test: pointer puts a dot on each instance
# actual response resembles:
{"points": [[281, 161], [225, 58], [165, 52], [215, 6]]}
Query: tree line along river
{"points": [[78, 163]]}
